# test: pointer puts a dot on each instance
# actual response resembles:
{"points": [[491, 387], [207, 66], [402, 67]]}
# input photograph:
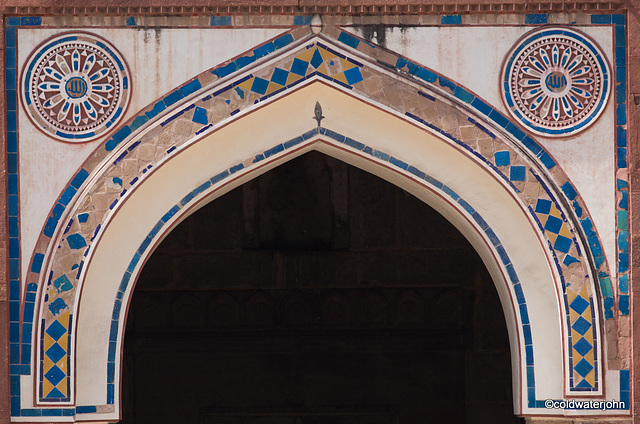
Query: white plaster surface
{"points": [[265, 128], [159, 60], [473, 56]]}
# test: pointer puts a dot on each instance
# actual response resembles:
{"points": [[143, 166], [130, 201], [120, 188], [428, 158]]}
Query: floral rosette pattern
{"points": [[75, 87], [556, 82]]}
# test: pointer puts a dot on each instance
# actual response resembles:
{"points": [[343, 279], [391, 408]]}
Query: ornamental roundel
{"points": [[75, 87], [556, 82]]}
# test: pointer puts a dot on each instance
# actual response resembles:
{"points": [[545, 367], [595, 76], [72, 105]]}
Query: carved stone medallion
{"points": [[556, 82], [75, 87]]}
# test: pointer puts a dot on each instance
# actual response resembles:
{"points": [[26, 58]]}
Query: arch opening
{"points": [[453, 196], [316, 292]]}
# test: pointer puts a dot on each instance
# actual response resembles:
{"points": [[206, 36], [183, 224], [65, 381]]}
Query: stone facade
{"points": [[515, 121]]}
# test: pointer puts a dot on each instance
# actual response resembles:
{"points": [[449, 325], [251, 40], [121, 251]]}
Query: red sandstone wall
{"points": [[633, 102]]}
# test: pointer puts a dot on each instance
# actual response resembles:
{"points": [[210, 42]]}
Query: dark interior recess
{"points": [[317, 293]]}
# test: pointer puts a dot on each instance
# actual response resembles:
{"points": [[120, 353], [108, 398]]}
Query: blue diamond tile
{"points": [[583, 367], [55, 353], [562, 244], [553, 224], [299, 67], [583, 346], [76, 241], [543, 206], [584, 384], [316, 60], [581, 326], [55, 394], [280, 76], [353, 75], [579, 304], [55, 375], [502, 158], [259, 85], [56, 330], [517, 173]]}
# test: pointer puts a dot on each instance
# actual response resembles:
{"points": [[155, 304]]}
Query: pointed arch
{"points": [[429, 136]]}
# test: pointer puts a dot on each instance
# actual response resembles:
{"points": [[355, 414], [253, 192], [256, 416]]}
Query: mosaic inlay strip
{"points": [[20, 363], [75, 87], [556, 82]]}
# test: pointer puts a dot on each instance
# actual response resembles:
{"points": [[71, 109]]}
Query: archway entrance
{"points": [[316, 293]]}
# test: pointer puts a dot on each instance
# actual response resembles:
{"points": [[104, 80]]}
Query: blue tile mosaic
{"points": [[601, 19], [220, 21], [536, 18], [517, 173], [451, 19], [348, 39], [302, 20], [583, 367]]}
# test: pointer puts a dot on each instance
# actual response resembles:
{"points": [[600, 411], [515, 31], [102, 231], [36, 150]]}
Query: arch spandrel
{"points": [[231, 93]]}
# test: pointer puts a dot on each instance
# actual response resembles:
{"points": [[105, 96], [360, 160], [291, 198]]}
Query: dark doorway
{"points": [[317, 293]]}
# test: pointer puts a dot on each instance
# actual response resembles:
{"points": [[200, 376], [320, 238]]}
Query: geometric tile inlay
{"points": [[579, 305], [581, 326], [583, 367], [54, 361], [56, 330], [55, 375], [582, 347], [55, 352]]}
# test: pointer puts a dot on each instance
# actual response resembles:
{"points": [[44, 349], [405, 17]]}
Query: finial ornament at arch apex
{"points": [[555, 81], [75, 87]]}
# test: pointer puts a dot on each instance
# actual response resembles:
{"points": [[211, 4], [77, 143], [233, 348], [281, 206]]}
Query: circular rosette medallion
{"points": [[75, 87], [556, 82]]}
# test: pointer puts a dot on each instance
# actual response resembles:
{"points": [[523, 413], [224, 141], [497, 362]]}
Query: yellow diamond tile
{"points": [[591, 377], [588, 336], [307, 55], [573, 315], [585, 294], [48, 341], [576, 355], [272, 87], [63, 342], [246, 84], [62, 386], [543, 219], [340, 77], [571, 295], [292, 78], [46, 387], [64, 319], [47, 364], [575, 336], [346, 65], [589, 357], [555, 212], [327, 55], [564, 231], [322, 69], [62, 364]]}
